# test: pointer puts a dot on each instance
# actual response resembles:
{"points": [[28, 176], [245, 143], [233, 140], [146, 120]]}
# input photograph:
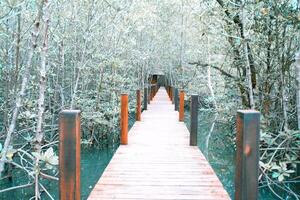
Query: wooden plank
{"points": [[158, 162]]}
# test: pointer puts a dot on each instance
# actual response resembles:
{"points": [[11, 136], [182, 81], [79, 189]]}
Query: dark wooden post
{"points": [[152, 93], [149, 94], [194, 120], [181, 106], [69, 155], [247, 155], [176, 100], [145, 98], [124, 119], [173, 94], [138, 105]]}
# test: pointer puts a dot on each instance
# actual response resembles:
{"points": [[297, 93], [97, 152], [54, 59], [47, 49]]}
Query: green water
{"points": [[93, 163], [221, 153]]}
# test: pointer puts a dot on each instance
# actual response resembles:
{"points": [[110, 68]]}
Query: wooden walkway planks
{"points": [[158, 162]]}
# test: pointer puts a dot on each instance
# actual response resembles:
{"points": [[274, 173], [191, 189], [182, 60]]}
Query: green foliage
{"points": [[100, 49]]}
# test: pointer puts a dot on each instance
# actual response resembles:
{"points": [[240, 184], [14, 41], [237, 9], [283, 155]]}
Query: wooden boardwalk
{"points": [[158, 162]]}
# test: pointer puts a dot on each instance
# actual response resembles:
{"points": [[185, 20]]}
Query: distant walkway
{"points": [[158, 162]]}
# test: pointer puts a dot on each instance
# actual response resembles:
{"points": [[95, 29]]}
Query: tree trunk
{"points": [[42, 86], [249, 63], [19, 99], [41, 101], [17, 60], [298, 86]]}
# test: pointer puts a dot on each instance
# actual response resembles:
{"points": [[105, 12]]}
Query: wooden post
{"points": [[176, 100], [145, 98], [124, 119], [171, 94], [138, 105], [167, 90], [181, 106], [149, 94], [152, 93], [194, 120], [247, 154], [69, 155]]}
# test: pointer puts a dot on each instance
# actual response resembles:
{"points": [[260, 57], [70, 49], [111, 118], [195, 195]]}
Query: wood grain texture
{"points": [[181, 106], [69, 155], [138, 105], [158, 162], [124, 119]]}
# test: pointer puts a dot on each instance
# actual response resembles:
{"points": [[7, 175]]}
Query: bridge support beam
{"points": [[194, 120], [138, 105], [69, 155], [181, 106], [247, 154], [145, 98], [124, 119]]}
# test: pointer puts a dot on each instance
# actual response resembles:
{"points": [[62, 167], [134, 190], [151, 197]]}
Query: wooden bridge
{"points": [[158, 162], [159, 157]]}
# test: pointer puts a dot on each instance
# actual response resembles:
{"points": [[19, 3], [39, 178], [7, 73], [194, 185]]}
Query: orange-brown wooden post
{"points": [[151, 93], [69, 155], [138, 105], [181, 106], [124, 119], [171, 94]]}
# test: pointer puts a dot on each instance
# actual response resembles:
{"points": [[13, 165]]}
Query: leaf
{"points": [[280, 178], [290, 171], [264, 165], [275, 167], [49, 166], [283, 165], [36, 155], [264, 11], [50, 157], [49, 152], [275, 174], [53, 160], [10, 153], [1, 147]]}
